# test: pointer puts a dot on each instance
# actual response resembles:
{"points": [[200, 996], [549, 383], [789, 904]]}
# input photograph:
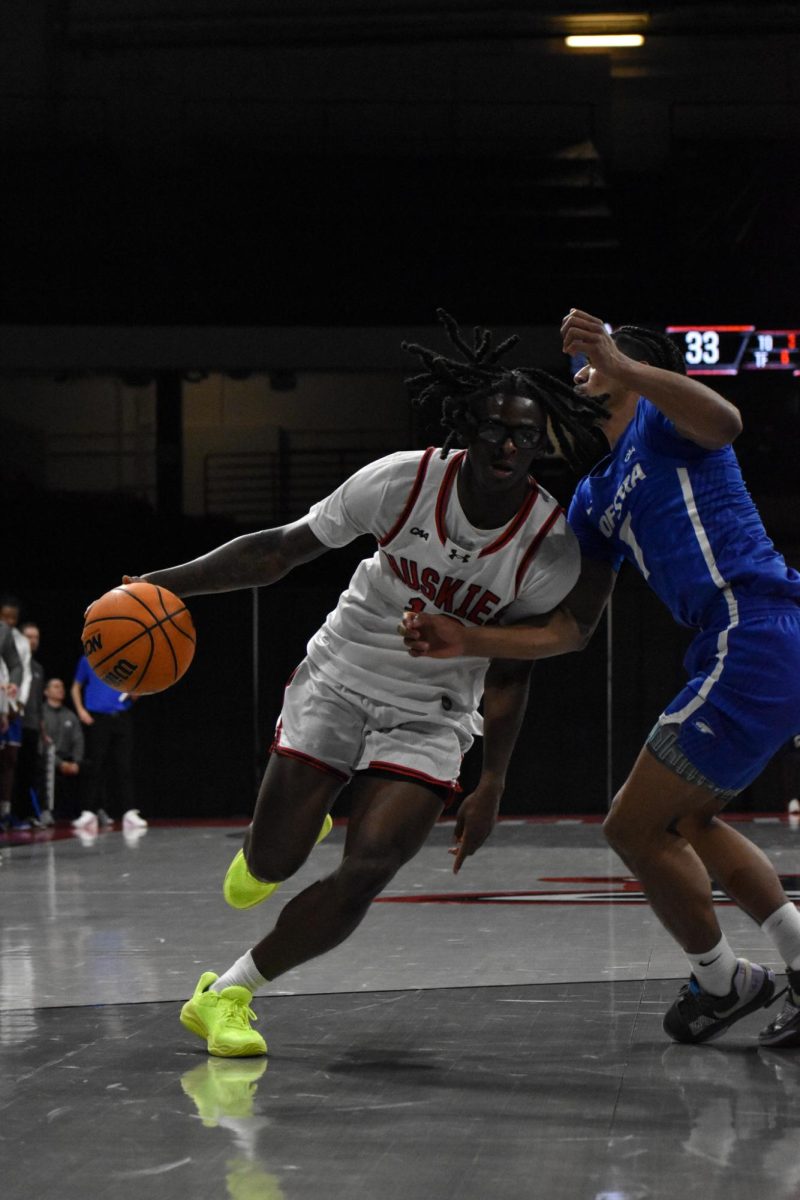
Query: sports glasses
{"points": [[524, 437]]}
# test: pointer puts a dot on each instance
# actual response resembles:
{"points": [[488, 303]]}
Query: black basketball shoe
{"points": [[698, 1016], [785, 1029]]}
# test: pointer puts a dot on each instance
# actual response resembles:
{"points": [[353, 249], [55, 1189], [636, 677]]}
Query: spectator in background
{"points": [[60, 755], [791, 779], [108, 723], [27, 774], [10, 673], [11, 737]]}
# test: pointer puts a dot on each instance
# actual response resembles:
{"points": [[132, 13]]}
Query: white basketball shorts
{"points": [[339, 731]]}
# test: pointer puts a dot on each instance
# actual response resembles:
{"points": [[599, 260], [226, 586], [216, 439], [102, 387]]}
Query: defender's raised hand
{"points": [[581, 333]]}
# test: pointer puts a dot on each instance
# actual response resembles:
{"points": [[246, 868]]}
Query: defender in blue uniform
{"points": [[670, 499], [682, 516]]}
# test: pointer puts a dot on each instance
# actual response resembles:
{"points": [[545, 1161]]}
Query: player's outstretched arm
{"points": [[505, 698], [697, 412], [427, 635], [568, 627], [253, 560]]}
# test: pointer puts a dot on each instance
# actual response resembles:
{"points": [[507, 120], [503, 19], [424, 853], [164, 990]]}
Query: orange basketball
{"points": [[138, 638]]}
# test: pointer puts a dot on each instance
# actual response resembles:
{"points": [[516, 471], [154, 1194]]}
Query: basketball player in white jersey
{"points": [[468, 533]]}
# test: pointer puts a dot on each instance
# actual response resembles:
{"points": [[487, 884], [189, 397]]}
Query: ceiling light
{"points": [[605, 22], [582, 41]]}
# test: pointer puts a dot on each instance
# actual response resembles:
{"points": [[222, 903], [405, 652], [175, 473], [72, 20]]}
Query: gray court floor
{"points": [[494, 1035]]}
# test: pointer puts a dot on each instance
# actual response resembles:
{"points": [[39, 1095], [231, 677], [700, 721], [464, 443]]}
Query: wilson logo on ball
{"points": [[120, 672]]}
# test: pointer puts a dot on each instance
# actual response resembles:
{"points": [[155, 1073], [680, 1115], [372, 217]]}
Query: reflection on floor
{"points": [[495, 1035]]}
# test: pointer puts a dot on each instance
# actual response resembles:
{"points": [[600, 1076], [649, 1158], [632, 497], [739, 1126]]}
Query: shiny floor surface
{"points": [[493, 1035]]}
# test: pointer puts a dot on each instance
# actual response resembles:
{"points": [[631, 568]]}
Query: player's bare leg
{"points": [[291, 816], [389, 823], [292, 803], [650, 805], [674, 871], [739, 867]]}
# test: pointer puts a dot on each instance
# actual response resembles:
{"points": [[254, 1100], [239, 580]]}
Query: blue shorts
{"points": [[13, 735], [742, 701]]}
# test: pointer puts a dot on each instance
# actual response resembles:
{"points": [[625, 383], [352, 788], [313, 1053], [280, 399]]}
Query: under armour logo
{"points": [[463, 557], [417, 532]]}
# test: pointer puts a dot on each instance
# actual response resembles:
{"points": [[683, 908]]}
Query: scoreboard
{"points": [[732, 349]]}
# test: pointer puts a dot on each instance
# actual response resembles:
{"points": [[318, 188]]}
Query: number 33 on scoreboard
{"points": [[702, 346]]}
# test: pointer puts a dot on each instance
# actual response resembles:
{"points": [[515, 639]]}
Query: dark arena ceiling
{"points": [[331, 162]]}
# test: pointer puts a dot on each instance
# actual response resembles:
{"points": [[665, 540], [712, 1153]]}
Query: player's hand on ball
{"points": [[125, 579], [427, 636]]}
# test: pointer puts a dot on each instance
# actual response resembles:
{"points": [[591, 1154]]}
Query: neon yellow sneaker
{"points": [[247, 1180], [223, 1088], [243, 890], [223, 1019]]}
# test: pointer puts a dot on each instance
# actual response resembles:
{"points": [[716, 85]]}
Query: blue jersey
{"points": [[683, 516], [98, 697]]}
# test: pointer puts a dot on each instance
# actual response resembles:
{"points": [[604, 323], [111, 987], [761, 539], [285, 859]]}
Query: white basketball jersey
{"points": [[430, 558]]}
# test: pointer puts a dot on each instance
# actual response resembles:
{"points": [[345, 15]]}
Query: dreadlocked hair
{"points": [[658, 349], [450, 386]]}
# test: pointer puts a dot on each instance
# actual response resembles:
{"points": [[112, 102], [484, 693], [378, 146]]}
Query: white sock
{"points": [[783, 929], [244, 973], [714, 969]]}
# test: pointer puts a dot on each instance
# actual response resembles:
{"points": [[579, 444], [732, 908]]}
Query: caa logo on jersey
{"points": [[612, 514]]}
